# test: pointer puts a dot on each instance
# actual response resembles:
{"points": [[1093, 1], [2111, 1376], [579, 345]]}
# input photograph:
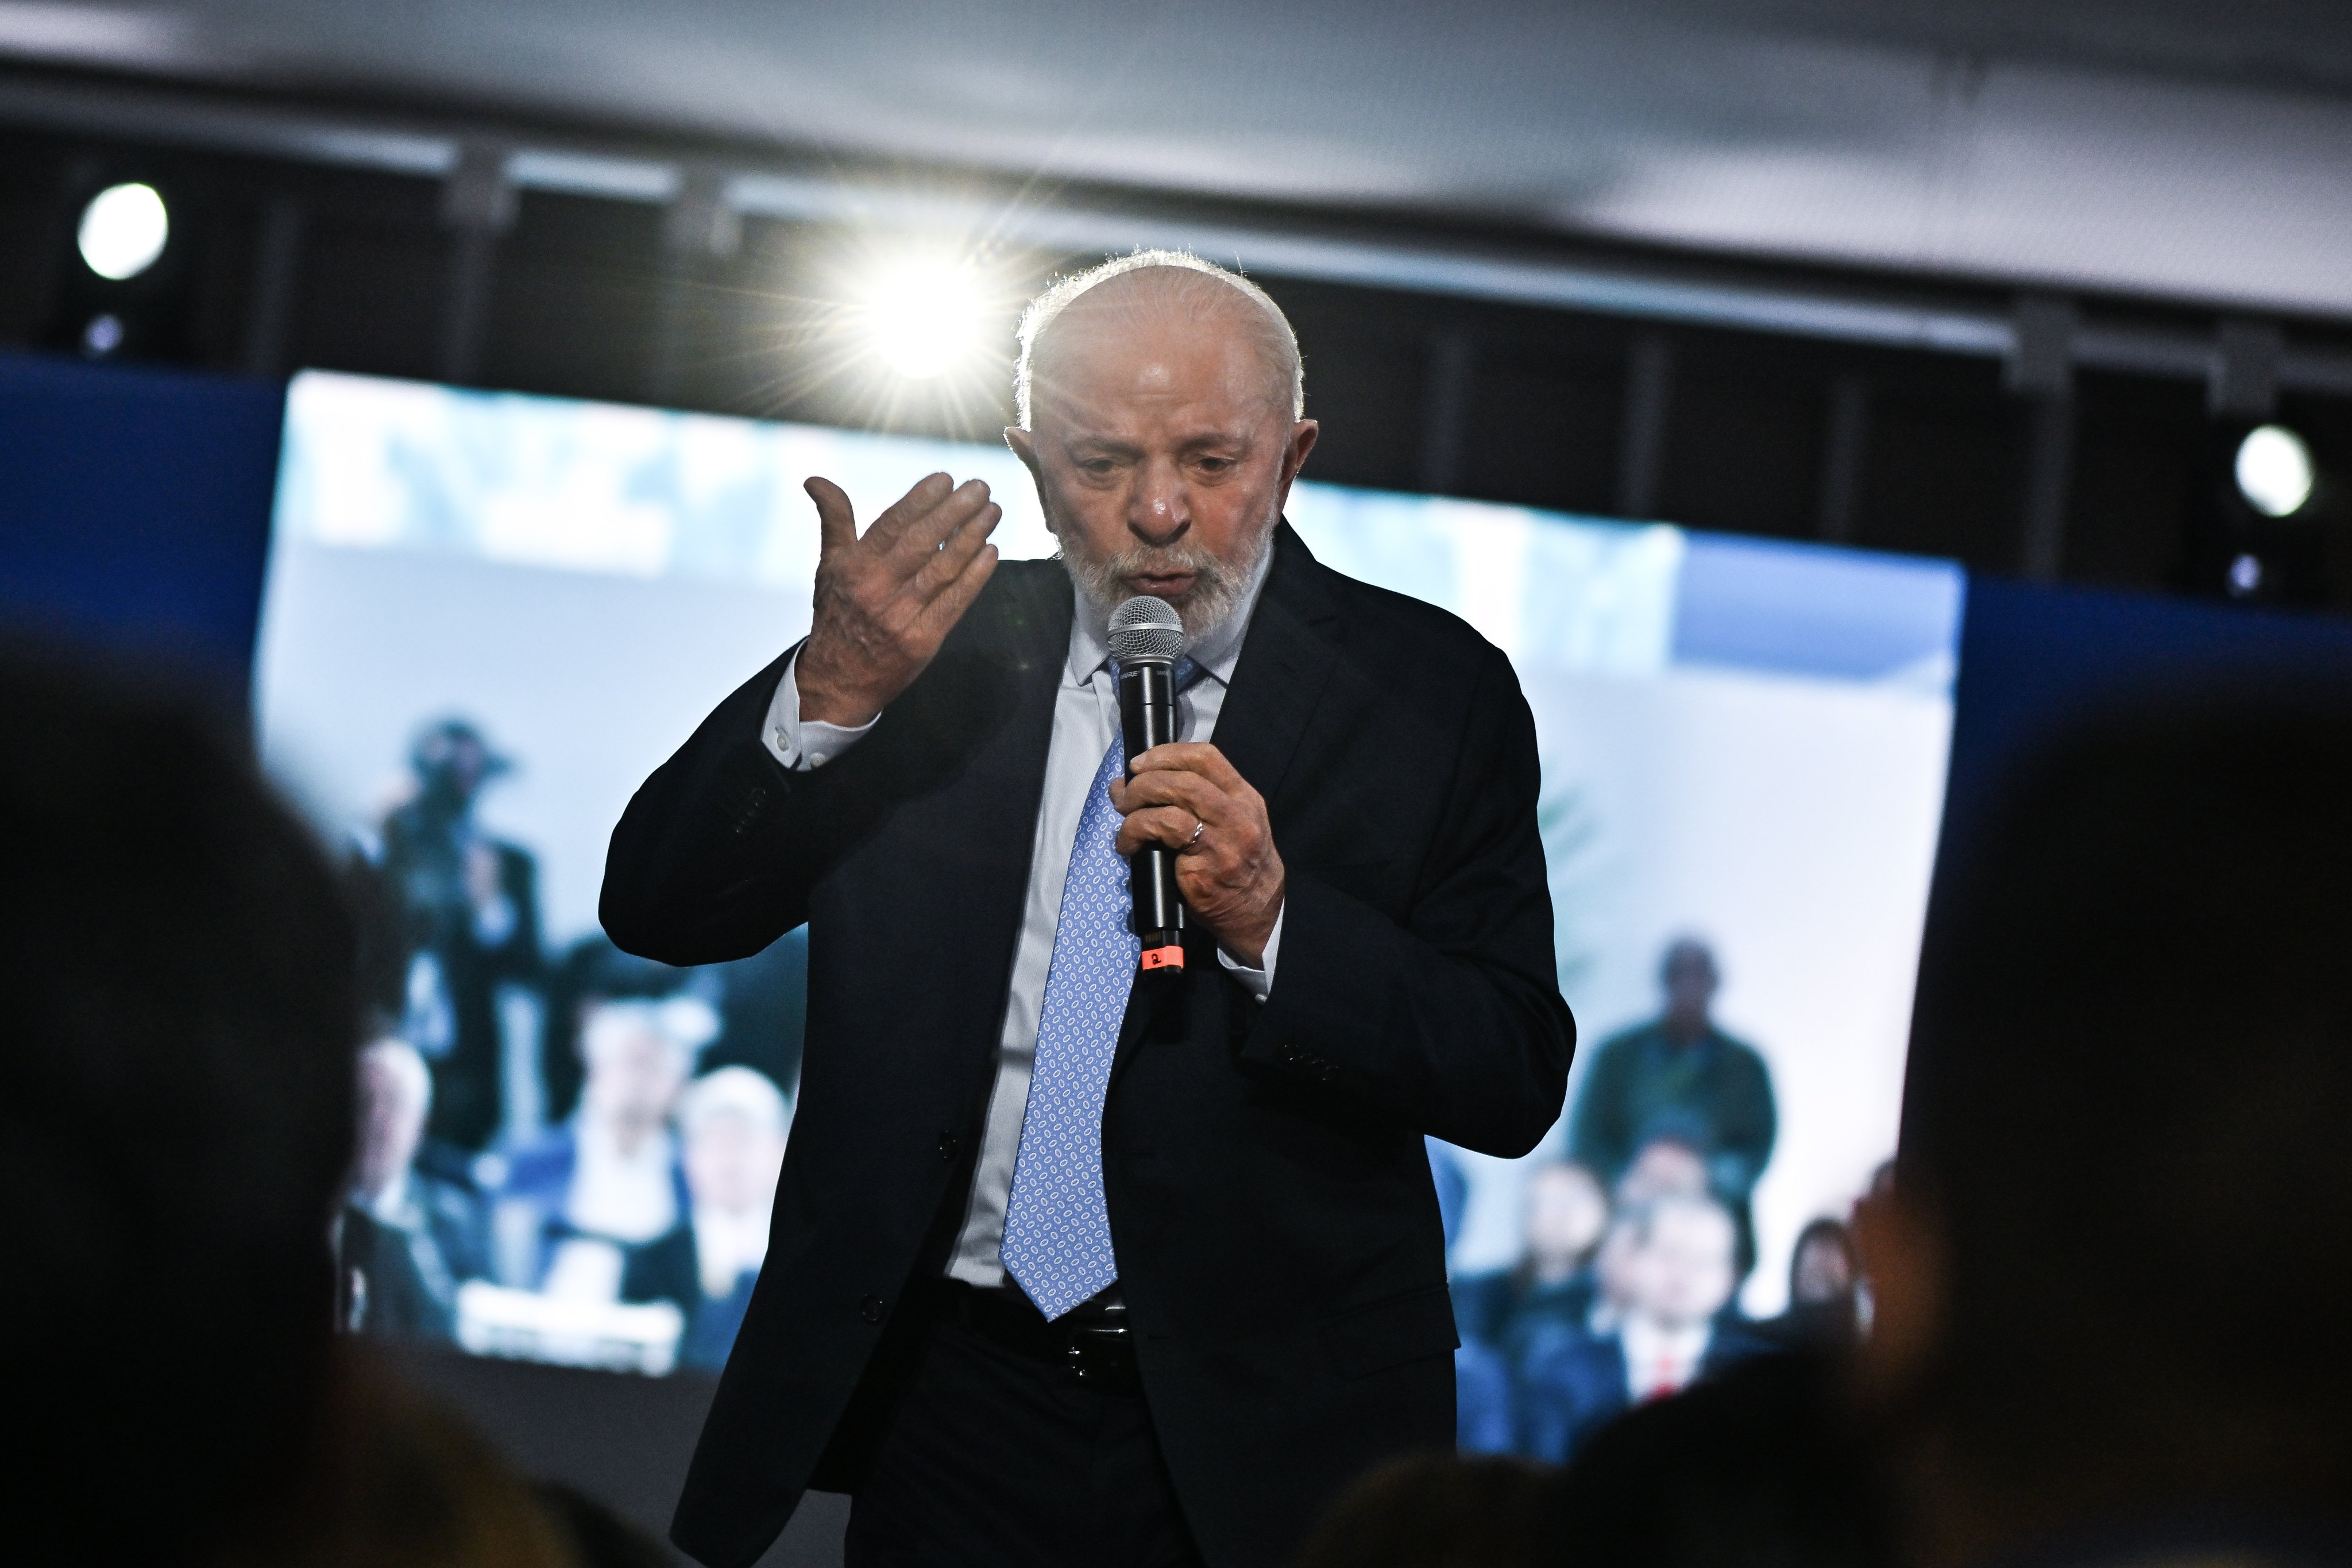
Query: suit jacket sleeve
{"points": [[717, 853], [1449, 1019]]}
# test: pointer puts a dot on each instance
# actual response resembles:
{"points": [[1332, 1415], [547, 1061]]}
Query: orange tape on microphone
{"points": [[1169, 957]]}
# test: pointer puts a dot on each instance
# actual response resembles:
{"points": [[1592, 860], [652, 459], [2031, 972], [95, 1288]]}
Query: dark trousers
{"points": [[993, 1457]]}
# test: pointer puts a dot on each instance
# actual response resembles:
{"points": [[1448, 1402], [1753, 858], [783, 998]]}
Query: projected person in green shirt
{"points": [[1679, 1078]]}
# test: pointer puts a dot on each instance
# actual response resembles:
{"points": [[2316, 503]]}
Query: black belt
{"points": [[1091, 1345]]}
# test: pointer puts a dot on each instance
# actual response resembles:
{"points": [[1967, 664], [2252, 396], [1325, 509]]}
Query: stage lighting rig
{"points": [[2257, 534], [121, 275]]}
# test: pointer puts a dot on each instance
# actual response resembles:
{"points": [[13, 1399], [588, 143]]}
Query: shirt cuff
{"points": [[1259, 982], [802, 746]]}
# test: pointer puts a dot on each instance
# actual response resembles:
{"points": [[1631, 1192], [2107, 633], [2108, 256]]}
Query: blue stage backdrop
{"points": [[134, 510]]}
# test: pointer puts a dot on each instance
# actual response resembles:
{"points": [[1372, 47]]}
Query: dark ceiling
{"points": [[2183, 152]]}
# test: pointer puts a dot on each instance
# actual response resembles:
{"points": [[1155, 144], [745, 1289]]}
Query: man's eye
{"points": [[1215, 465], [1096, 466]]}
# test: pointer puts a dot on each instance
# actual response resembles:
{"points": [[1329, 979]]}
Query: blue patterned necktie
{"points": [[1056, 1225]]}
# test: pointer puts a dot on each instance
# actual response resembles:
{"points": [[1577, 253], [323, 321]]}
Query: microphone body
{"points": [[1147, 636], [1147, 716]]}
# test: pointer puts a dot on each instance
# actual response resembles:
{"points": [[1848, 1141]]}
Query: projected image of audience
{"points": [[569, 1154], [593, 1200], [1634, 1252]]}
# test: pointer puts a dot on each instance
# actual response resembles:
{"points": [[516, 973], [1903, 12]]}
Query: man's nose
{"points": [[1162, 509]]}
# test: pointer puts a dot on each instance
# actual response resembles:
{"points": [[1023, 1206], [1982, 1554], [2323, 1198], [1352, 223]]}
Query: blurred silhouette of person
{"points": [[1679, 1275], [469, 908], [590, 972], [1612, 1269], [762, 1003], [408, 1237], [1680, 1077], [609, 1180], [732, 1124], [1824, 1281], [1761, 1465], [1439, 1511], [175, 1130], [2104, 1282], [1668, 1166], [1486, 1414], [408, 1484], [1548, 1295], [599, 1537]]}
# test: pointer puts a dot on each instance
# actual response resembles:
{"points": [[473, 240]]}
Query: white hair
{"points": [[1280, 343], [746, 1091], [404, 1062], [685, 1023]]}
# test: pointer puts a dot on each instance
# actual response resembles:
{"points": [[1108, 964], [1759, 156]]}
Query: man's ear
{"points": [[1025, 447], [1905, 1261], [1301, 442]]}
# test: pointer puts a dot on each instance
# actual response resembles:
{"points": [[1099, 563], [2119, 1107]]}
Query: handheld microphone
{"points": [[1146, 638]]}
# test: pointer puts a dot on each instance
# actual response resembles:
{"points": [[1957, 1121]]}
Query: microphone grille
{"points": [[1146, 628]]}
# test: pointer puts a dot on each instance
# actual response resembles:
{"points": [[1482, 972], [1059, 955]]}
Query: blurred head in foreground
{"points": [[2105, 1277], [1439, 1511], [176, 1125]]}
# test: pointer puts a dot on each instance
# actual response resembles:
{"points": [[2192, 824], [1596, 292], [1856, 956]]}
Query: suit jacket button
{"points": [[949, 1144], [870, 1308]]}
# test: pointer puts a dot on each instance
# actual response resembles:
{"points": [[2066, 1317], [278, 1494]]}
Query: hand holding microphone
{"points": [[1189, 816]]}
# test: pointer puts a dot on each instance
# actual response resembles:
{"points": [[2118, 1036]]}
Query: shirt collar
{"points": [[1217, 650]]}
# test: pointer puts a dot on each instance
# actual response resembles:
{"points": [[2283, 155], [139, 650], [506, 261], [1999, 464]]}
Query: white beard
{"points": [[1217, 584]]}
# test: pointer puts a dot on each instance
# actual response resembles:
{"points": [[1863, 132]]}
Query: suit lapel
{"points": [[1004, 786], [1286, 659]]}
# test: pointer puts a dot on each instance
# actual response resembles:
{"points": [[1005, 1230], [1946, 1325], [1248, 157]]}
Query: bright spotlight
{"points": [[925, 317], [2274, 468], [123, 230]]}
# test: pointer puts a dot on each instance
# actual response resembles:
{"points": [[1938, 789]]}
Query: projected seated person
{"points": [[609, 1180], [407, 1239], [469, 907], [1681, 1077], [1823, 1289], [1550, 1292], [1678, 1278], [731, 1122]]}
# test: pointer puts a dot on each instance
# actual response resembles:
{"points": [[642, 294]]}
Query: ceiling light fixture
{"points": [[123, 230]]}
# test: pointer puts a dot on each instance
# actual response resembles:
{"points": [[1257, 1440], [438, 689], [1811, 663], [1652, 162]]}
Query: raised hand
{"points": [[886, 602], [1188, 798]]}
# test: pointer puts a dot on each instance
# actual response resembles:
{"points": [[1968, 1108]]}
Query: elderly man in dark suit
{"points": [[1069, 1265]]}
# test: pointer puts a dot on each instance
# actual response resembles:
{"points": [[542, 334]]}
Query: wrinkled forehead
{"points": [[1158, 331]]}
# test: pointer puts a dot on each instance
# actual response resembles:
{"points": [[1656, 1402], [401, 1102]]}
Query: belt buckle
{"points": [[1102, 1358]]}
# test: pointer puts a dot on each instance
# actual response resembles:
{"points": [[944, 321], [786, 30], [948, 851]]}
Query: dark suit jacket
{"points": [[1270, 1202]]}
